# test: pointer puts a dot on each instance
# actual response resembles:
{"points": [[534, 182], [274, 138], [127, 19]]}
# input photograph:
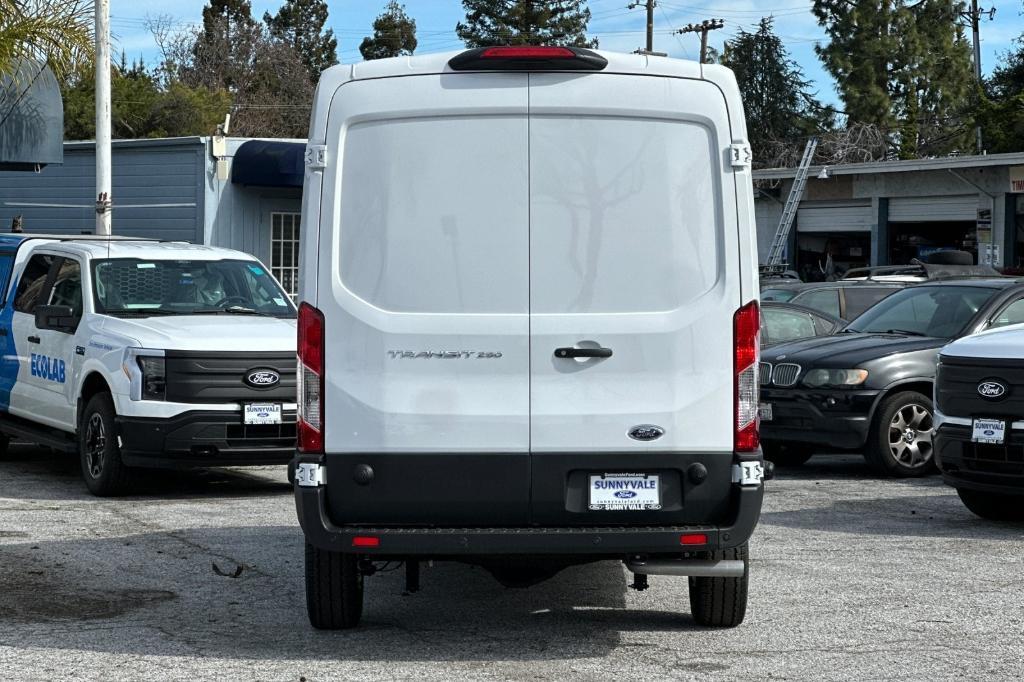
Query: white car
{"points": [[528, 323], [144, 353]]}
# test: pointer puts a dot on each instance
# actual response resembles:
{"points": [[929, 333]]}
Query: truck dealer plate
{"points": [[991, 431], [262, 413], [624, 492]]}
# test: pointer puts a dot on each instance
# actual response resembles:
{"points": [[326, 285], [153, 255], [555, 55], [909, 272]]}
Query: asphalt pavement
{"points": [[200, 576]]}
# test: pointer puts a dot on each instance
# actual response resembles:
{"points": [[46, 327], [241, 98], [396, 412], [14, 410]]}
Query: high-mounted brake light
{"points": [[528, 58], [746, 332], [311, 379]]}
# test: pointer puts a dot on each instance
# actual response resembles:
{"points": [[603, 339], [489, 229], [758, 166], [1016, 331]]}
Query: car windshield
{"points": [[130, 287], [935, 311], [781, 295]]}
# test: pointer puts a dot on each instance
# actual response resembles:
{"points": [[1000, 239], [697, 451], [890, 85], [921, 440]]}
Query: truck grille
{"points": [[198, 377], [956, 387], [785, 374], [997, 459]]}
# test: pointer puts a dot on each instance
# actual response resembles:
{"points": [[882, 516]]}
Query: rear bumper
{"points": [[833, 418], [985, 468], [424, 540], [200, 438]]}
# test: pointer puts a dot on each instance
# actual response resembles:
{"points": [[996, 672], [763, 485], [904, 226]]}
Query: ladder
{"points": [[789, 212]]}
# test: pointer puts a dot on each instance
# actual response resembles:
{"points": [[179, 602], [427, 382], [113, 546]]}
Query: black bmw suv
{"points": [[870, 386]]}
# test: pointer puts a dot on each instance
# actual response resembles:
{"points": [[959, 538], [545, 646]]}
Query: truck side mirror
{"points": [[59, 318]]}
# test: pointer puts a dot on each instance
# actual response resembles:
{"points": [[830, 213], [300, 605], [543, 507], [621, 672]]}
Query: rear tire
{"points": [[334, 589], [102, 468], [721, 602], [900, 441], [789, 455], [993, 506]]}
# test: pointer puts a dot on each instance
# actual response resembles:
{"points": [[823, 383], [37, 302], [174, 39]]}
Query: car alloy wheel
{"points": [[96, 444], [910, 436]]}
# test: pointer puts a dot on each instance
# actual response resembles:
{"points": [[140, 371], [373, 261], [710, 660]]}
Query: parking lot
{"points": [[200, 576]]}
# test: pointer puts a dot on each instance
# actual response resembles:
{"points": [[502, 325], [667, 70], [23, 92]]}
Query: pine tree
{"points": [[300, 23], [1001, 107], [775, 94], [394, 34], [226, 46], [525, 22]]}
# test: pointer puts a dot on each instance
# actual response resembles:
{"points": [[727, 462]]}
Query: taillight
{"points": [[528, 58], [311, 379], [746, 330]]}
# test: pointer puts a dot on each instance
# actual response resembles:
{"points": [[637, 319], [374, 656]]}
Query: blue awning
{"points": [[269, 163]]}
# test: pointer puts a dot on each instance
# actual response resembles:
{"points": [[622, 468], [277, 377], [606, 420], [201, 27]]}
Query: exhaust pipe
{"points": [[726, 568]]}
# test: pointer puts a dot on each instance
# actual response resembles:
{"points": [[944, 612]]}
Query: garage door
{"points": [[846, 217], [930, 209]]}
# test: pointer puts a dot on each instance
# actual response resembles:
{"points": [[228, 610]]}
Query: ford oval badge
{"points": [[625, 494], [262, 378], [646, 432], [993, 390]]}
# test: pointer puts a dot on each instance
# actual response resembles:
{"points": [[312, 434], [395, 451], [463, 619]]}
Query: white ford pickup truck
{"points": [[144, 353]]}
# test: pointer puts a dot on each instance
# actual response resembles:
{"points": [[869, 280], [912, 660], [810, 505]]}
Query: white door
{"points": [[633, 252], [30, 396], [58, 359]]}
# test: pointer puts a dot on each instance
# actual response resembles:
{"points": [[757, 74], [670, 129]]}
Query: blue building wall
{"points": [[166, 171]]}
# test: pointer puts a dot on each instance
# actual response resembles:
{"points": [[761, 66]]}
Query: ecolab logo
{"points": [[51, 369]]}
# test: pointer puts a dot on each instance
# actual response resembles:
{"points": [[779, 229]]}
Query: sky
{"points": [[618, 28]]}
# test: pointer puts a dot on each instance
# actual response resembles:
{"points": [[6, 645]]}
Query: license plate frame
{"points": [[262, 414], [988, 431], [764, 411], [624, 491]]}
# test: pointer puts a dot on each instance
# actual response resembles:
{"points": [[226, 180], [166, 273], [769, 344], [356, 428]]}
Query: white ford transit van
{"points": [[528, 323]]}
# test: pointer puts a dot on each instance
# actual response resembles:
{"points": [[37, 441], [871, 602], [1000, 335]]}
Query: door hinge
{"points": [[316, 156], [748, 473], [309, 475], [740, 155]]}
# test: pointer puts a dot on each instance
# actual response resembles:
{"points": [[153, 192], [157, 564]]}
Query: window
{"points": [[284, 250], [781, 295], [33, 279], [1011, 314], [859, 299], [786, 325], [67, 287], [940, 311], [6, 262], [825, 300]]}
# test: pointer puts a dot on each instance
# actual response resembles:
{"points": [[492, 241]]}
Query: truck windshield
{"points": [[936, 311], [131, 287]]}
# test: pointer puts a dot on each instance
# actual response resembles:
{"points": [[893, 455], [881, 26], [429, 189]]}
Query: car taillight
{"points": [[311, 379], [746, 329]]}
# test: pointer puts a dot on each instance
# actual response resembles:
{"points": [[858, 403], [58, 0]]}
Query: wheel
{"points": [[721, 602], [788, 455], [993, 506], [334, 589], [104, 472], [900, 441]]}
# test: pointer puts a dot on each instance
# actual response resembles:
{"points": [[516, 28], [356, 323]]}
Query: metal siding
{"points": [[929, 209], [834, 218], [162, 174]]}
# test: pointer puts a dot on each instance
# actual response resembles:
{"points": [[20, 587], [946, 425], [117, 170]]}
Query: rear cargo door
{"points": [[424, 224], [633, 256]]}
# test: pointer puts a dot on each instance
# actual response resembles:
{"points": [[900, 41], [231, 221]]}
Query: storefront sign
{"points": [[1017, 179]]}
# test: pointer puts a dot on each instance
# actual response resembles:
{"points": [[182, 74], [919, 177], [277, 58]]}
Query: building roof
{"points": [[907, 166]]}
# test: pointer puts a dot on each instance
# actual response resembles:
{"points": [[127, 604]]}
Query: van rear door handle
{"points": [[583, 352], [33, 339]]}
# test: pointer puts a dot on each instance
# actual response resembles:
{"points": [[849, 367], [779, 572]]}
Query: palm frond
{"points": [[56, 32]]}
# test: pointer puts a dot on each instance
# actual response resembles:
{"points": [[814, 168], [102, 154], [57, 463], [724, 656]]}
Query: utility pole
{"points": [[650, 5], [703, 28], [973, 17], [103, 189]]}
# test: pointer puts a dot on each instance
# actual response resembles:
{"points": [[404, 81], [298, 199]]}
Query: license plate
{"points": [[989, 431], [262, 413], [625, 492], [764, 410]]}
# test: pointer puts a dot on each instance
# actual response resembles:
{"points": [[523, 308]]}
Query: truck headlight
{"points": [[154, 377], [835, 378]]}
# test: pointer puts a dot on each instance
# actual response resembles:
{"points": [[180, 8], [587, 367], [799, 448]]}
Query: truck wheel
{"points": [[789, 455], [721, 602], [334, 589], [993, 506], [104, 472], [900, 441]]}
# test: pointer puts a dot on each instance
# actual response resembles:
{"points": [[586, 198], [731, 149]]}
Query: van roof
{"points": [[644, 65]]}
